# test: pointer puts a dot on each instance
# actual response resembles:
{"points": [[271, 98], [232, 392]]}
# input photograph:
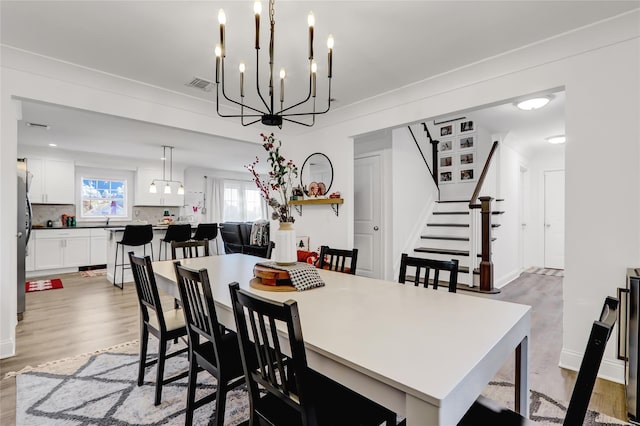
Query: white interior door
{"points": [[368, 214], [554, 219], [522, 216]]}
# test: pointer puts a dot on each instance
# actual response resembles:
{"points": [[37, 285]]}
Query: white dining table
{"points": [[425, 354]]}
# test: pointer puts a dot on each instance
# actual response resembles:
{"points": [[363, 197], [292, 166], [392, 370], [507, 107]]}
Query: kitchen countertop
{"points": [[108, 227]]}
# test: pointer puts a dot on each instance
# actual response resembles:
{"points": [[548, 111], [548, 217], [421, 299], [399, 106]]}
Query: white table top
{"points": [[439, 347]]}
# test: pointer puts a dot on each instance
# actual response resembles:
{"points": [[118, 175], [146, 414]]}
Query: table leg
{"points": [[522, 378], [421, 413]]}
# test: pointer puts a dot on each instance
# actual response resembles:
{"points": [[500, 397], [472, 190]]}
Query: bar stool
{"points": [[133, 236], [207, 231], [178, 233]]}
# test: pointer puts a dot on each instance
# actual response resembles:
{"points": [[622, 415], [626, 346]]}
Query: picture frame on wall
{"points": [[466, 126], [302, 243], [467, 142], [467, 158], [446, 161], [447, 130], [467, 174], [445, 176], [445, 146]]}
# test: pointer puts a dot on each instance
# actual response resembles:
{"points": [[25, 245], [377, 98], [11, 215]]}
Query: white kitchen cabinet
{"points": [[143, 197], [53, 181], [98, 247], [62, 248]]}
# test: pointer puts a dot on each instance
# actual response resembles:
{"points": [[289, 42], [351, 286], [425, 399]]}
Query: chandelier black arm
{"points": [[231, 100], [300, 122], [314, 113], [258, 82], [301, 102], [232, 115]]}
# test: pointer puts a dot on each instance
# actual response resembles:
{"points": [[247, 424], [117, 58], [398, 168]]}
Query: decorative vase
{"points": [[285, 249]]}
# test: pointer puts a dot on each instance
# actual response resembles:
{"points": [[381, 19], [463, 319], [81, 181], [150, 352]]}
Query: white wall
{"points": [[598, 66]]}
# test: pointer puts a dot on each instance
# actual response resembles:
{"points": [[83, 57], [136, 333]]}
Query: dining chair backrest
{"points": [[600, 333], [208, 231], [336, 259], [146, 288], [198, 306], [279, 375], [427, 265], [178, 232], [137, 235], [190, 249]]}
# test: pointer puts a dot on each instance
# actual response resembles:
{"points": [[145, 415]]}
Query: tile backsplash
{"points": [[44, 212]]}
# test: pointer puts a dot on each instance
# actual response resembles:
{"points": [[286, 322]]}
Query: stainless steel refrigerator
{"points": [[24, 230]]}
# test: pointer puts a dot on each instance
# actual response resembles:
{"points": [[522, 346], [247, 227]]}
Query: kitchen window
{"points": [[242, 202], [102, 198]]}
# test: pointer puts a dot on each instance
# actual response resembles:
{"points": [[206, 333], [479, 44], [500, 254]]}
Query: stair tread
{"points": [[443, 251], [459, 225], [452, 201], [465, 270], [448, 237]]}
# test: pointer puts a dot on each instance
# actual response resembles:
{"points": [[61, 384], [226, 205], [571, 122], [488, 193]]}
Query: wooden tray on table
{"points": [[269, 279]]}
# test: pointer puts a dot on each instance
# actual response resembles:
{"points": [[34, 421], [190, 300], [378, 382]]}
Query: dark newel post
{"points": [[486, 266], [434, 157]]}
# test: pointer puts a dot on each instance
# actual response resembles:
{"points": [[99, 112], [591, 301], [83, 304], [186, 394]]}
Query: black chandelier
{"points": [[269, 115]]}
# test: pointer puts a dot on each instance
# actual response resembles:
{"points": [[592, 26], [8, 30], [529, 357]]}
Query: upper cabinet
{"points": [[143, 197], [52, 181]]}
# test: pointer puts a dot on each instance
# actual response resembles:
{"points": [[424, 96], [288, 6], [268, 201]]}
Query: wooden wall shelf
{"points": [[333, 202]]}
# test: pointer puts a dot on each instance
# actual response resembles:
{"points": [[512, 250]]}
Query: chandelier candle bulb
{"points": [[241, 68], [311, 20], [282, 76], [330, 59], [218, 54], [257, 9], [314, 70], [222, 20]]}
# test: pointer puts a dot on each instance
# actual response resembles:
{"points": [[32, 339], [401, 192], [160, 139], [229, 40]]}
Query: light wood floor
{"points": [[89, 314]]}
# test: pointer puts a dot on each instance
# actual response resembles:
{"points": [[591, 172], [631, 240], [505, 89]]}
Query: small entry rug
{"points": [[545, 271], [93, 273], [100, 388], [41, 285]]}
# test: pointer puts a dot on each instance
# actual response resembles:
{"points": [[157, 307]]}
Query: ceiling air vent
{"points": [[200, 83]]}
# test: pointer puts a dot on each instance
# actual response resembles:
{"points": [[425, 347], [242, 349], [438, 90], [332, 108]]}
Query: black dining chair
{"points": [[207, 231], [177, 232], [336, 259], [487, 412], [427, 265], [133, 236], [211, 347], [165, 325], [283, 390], [189, 249]]}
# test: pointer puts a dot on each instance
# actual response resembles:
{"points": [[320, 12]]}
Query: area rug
{"points": [[42, 285], [100, 389], [93, 273], [545, 271]]}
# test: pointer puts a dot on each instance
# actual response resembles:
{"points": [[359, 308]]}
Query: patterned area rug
{"points": [[100, 389], [545, 271], [93, 273], [42, 285]]}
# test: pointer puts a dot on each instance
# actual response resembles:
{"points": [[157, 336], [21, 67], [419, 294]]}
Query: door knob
{"points": [[19, 235], [375, 228]]}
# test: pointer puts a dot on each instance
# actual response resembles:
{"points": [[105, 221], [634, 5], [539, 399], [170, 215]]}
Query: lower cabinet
{"points": [[98, 247], [57, 248]]}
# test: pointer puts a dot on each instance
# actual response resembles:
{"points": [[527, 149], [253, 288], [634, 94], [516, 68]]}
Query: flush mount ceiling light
{"points": [[268, 113], [167, 187], [53, 144], [556, 139], [533, 103]]}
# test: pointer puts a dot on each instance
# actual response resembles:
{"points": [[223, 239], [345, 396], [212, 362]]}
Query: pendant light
{"points": [[153, 189]]}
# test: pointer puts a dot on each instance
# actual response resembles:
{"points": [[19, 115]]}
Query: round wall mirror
{"points": [[316, 175]]}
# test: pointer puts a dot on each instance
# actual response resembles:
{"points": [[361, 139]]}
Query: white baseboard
{"points": [[506, 279], [7, 348], [612, 370]]}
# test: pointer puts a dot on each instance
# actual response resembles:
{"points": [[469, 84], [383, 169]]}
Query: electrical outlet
{"points": [[136, 213]]}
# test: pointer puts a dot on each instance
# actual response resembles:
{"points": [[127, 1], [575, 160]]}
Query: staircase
{"points": [[447, 236]]}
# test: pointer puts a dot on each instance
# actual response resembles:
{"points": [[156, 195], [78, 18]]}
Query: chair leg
{"points": [[191, 389], [115, 266], [221, 400], [162, 353], [122, 269], [144, 342]]}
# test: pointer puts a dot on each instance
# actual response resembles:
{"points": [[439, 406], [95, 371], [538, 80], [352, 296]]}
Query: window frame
{"points": [[242, 186]]}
